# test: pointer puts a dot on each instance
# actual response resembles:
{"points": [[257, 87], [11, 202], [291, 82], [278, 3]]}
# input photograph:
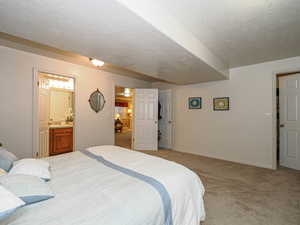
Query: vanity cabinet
{"points": [[60, 140]]}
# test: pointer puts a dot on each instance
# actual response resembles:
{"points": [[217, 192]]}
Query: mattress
{"points": [[110, 185]]}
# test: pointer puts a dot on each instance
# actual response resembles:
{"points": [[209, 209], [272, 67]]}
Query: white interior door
{"points": [[44, 112], [289, 103], [145, 119], [165, 124]]}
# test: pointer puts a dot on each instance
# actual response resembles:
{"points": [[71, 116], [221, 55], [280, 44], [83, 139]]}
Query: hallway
{"points": [[123, 139]]}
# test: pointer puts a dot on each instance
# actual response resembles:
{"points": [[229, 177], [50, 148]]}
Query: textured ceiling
{"points": [[173, 40], [242, 32], [106, 30]]}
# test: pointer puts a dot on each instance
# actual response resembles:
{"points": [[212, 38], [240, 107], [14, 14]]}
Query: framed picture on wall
{"points": [[221, 104], [195, 102]]}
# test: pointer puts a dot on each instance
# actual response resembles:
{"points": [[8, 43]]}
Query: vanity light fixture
{"points": [[96, 62], [127, 92]]}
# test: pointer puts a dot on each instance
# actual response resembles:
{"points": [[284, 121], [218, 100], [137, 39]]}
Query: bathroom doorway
{"points": [[55, 114]]}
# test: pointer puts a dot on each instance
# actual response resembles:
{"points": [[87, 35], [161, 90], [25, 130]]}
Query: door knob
{"points": [[169, 121], [281, 125]]}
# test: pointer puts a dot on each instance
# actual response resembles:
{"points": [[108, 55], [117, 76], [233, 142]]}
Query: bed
{"points": [[109, 185]]}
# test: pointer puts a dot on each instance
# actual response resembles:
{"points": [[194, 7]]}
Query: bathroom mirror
{"points": [[97, 101]]}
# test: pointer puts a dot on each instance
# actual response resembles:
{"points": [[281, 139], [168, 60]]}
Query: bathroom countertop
{"points": [[57, 126]]}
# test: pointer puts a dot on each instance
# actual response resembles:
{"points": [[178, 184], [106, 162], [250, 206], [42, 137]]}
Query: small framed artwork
{"points": [[195, 102], [221, 104]]}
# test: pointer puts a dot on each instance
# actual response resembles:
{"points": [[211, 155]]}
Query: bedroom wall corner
{"points": [[245, 133]]}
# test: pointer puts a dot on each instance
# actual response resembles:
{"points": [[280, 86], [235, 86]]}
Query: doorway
{"points": [[165, 119], [288, 120], [143, 118], [123, 116], [55, 116]]}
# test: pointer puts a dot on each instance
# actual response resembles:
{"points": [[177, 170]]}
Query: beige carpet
{"points": [[123, 139], [243, 195]]}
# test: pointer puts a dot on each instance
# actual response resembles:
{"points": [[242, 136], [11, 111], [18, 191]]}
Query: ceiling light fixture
{"points": [[96, 62], [127, 92]]}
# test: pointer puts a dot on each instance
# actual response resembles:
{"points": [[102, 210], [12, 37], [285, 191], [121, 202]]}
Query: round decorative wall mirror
{"points": [[97, 101]]}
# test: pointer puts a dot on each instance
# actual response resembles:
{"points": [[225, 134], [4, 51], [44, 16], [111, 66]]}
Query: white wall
{"points": [[246, 133], [16, 90]]}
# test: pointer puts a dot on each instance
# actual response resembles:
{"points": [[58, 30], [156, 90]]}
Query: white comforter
{"points": [[91, 193]]}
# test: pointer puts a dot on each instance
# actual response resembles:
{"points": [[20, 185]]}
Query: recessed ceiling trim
{"points": [[21, 44]]}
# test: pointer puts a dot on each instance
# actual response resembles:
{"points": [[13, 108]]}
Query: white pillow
{"points": [[33, 167], [9, 202], [29, 188], [6, 159]]}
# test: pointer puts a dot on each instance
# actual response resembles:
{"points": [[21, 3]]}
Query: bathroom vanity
{"points": [[60, 139]]}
